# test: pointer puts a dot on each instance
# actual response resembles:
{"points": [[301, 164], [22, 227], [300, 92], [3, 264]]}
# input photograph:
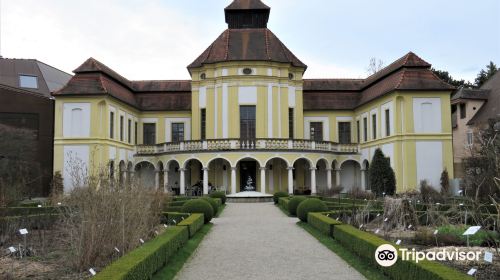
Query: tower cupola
{"points": [[247, 14]]}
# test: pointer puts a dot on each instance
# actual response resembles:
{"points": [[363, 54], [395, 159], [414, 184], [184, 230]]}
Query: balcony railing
{"points": [[240, 144]]}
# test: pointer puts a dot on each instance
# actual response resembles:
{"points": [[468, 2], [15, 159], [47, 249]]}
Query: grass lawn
{"points": [[353, 260], [175, 264]]}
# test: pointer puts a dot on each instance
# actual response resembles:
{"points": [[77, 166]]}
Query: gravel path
{"points": [[257, 241]]}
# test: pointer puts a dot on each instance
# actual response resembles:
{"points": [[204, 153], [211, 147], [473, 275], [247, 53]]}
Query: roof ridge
{"points": [[160, 81], [443, 82], [401, 78], [267, 43], [226, 54], [102, 85]]}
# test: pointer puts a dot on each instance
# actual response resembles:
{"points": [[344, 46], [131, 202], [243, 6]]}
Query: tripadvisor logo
{"points": [[386, 255]]}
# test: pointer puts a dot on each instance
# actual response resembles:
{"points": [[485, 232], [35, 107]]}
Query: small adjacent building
{"points": [[26, 103], [472, 109]]}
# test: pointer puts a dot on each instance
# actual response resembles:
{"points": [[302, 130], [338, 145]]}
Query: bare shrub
{"points": [[358, 193], [399, 213], [99, 216], [330, 192]]}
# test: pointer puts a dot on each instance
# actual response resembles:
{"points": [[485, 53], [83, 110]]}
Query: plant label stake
{"points": [[23, 232], [360, 226], [39, 206], [398, 242], [377, 231], [92, 271], [409, 226], [386, 219], [472, 271], [116, 249], [488, 257], [436, 237], [175, 222], [165, 225], [12, 249], [142, 241], [471, 231]]}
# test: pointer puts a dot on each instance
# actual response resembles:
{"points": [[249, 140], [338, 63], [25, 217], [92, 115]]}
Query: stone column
{"points": [[233, 180], [165, 180], [363, 183], [313, 180], [157, 179], [329, 178], [183, 181], [290, 180], [263, 180], [205, 180], [337, 177]]}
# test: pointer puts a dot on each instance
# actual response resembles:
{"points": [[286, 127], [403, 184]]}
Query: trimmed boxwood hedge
{"points": [[213, 203], [294, 203], [283, 202], [173, 209], [322, 223], [23, 211], [199, 206], [169, 217], [365, 244], [221, 195], [144, 261], [194, 223], [310, 205], [277, 195]]}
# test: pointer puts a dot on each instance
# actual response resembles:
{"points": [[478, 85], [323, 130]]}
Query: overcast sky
{"points": [[157, 39]]}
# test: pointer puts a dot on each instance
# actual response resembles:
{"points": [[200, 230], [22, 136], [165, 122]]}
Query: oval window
{"points": [[247, 71], [290, 76], [203, 76]]}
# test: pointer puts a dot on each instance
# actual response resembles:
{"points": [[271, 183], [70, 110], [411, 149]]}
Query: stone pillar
{"points": [[337, 177], [165, 180], [363, 182], [157, 179], [205, 180], [313, 180], [124, 177], [183, 181], [233, 180], [329, 178], [290, 180], [263, 180]]}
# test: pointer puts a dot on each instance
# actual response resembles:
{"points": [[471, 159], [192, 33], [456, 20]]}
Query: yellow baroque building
{"points": [[248, 121]]}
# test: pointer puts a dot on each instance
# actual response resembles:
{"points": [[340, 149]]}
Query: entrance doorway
{"points": [[248, 171]]}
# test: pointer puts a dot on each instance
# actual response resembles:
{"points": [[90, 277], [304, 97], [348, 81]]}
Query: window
{"points": [[111, 125], [135, 133], [365, 129], [290, 123], [470, 137], [374, 126], [129, 127], [463, 114], [247, 122], [247, 71], [26, 81], [203, 114], [344, 132], [177, 132], [149, 133], [316, 131], [358, 131], [387, 123], [121, 128]]}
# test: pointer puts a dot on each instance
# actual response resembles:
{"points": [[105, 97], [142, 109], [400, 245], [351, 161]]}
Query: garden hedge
{"points": [[221, 195], [322, 223], [144, 261], [213, 203], [169, 217], [310, 205], [194, 223], [277, 195], [173, 209], [199, 206], [365, 244], [293, 203], [283, 202], [23, 211]]}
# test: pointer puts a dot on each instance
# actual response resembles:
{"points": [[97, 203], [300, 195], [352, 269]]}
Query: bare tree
{"points": [[374, 66]]}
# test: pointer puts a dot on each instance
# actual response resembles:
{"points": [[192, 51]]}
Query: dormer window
{"points": [[27, 81]]}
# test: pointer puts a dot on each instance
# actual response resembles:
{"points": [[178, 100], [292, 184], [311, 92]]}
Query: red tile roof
{"points": [[250, 44], [247, 5], [95, 78]]}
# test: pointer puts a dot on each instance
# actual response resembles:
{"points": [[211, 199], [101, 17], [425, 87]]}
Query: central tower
{"points": [[247, 14]]}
